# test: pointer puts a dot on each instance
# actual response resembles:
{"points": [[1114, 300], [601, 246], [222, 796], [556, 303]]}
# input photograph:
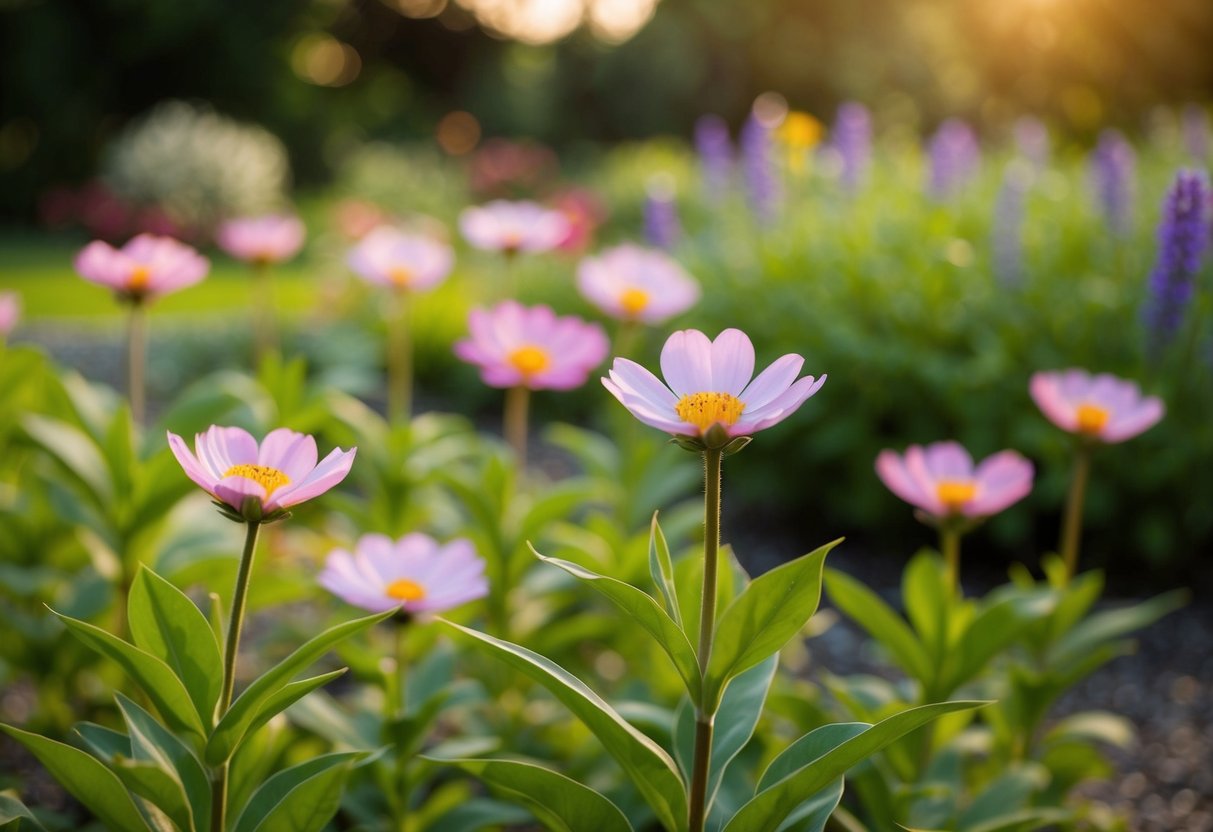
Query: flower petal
{"points": [[732, 362], [686, 362]]}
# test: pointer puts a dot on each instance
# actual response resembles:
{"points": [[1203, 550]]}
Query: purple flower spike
{"points": [[758, 167], [955, 158], [941, 480], [852, 141], [1100, 407], [260, 482], [715, 150], [415, 574], [146, 267], [269, 239], [1007, 232], [1113, 172], [1183, 234], [661, 225]]}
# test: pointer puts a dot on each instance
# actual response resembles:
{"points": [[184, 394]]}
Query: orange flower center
{"points": [[402, 589], [706, 409], [634, 301], [400, 276], [1091, 418], [140, 276], [955, 493], [271, 479], [530, 359]]}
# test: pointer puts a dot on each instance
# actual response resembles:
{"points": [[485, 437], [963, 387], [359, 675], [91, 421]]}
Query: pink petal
{"points": [[220, 448], [891, 469], [1126, 426], [292, 453], [1002, 479], [772, 382], [732, 362], [686, 362], [331, 471], [190, 464]]}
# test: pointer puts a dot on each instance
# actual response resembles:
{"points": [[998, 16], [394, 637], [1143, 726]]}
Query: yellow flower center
{"points": [[1091, 418], [634, 301], [402, 589], [140, 276], [530, 359], [955, 493], [271, 479], [400, 276], [706, 409]]}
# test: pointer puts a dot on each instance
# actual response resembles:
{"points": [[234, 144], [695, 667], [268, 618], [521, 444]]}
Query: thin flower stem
{"points": [[949, 543], [707, 621], [401, 711], [235, 622], [265, 326], [136, 361], [517, 403], [1071, 530], [400, 362]]}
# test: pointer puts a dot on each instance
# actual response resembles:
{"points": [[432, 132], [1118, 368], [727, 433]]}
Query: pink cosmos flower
{"points": [[259, 482], [709, 384], [529, 346], [511, 227], [405, 262], [10, 312], [1101, 407], [147, 266], [637, 284], [267, 239], [941, 480], [415, 574]]}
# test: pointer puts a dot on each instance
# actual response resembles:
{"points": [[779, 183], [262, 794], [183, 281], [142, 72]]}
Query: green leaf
{"points": [[152, 743], [251, 706], [167, 624], [1102, 627], [993, 629], [289, 695], [560, 804], [777, 801], [302, 798], [90, 782], [76, 450], [155, 677], [1003, 796], [158, 787], [650, 768], [865, 608], [927, 597], [106, 743], [765, 616], [639, 606], [15, 816], [815, 811], [661, 567]]}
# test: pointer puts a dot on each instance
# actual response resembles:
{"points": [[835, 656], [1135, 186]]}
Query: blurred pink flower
{"points": [[584, 212], [941, 480], [415, 574], [355, 218], [406, 262], [10, 312], [1101, 407], [709, 384], [272, 238], [147, 266], [637, 284], [511, 227], [259, 482], [520, 346]]}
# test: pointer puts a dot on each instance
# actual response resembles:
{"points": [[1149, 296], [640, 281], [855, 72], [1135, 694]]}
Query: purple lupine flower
{"points": [[1182, 236], [955, 158], [662, 228], [852, 142], [758, 167], [1113, 171], [1007, 230], [715, 155], [1195, 127], [1032, 141]]}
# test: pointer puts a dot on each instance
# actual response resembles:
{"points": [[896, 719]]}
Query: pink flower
{"points": [[521, 346], [709, 384], [267, 239], [511, 227], [10, 312], [260, 482], [637, 284], [940, 479], [1101, 407], [146, 267], [415, 574], [405, 262]]}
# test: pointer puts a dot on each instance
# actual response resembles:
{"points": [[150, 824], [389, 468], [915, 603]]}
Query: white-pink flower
{"points": [[511, 227], [637, 284], [1101, 407], [147, 266], [941, 479], [404, 262], [272, 238], [10, 312], [709, 384], [414, 574]]}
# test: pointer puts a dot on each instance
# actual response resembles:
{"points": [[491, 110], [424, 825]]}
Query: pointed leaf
{"points": [[994, 629], [1102, 627], [159, 788], [106, 743], [15, 816], [302, 798], [289, 695], [661, 568], [151, 742], [865, 608]]}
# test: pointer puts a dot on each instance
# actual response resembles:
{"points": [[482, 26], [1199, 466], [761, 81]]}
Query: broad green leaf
{"points": [[927, 598], [993, 630], [152, 743], [289, 695], [90, 782], [778, 800], [1005, 795], [159, 788], [74, 449], [167, 624], [765, 616], [251, 705], [106, 743], [1025, 820], [813, 812], [15, 816], [661, 568], [155, 677], [1096, 726], [302, 798], [865, 608], [651, 769], [639, 606], [560, 804], [1112, 624]]}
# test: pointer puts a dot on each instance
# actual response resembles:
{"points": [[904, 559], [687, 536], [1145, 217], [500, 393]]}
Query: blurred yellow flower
{"points": [[799, 133]]}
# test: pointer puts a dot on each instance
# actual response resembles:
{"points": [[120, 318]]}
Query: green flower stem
{"points": [[949, 543], [1071, 529], [136, 360], [517, 403], [400, 706], [707, 622], [400, 362], [234, 624], [265, 327]]}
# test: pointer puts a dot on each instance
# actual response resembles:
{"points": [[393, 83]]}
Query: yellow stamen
{"points": [[634, 301], [271, 479], [400, 276], [140, 277], [1091, 418], [530, 359], [955, 493], [706, 409], [402, 589]]}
